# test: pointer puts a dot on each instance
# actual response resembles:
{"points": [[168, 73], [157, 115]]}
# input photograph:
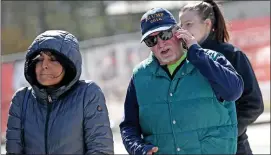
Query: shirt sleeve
{"points": [[225, 81], [130, 128]]}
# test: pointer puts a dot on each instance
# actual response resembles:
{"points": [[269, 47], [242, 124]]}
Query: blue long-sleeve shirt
{"points": [[225, 81], [227, 84]]}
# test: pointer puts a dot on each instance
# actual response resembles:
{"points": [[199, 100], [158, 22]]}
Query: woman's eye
{"points": [[53, 59], [40, 59], [188, 24]]}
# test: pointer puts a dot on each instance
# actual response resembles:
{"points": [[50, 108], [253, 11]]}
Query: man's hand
{"points": [[186, 36], [153, 150]]}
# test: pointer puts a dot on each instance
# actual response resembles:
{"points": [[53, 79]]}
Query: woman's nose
{"points": [[45, 64]]}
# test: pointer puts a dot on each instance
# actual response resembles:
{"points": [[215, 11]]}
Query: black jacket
{"points": [[250, 105]]}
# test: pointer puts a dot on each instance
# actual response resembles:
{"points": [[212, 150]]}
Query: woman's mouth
{"points": [[47, 75]]}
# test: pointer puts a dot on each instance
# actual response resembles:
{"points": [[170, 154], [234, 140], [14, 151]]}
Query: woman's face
{"points": [[49, 71], [192, 22]]}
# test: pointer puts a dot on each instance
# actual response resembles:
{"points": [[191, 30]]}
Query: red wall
{"points": [[253, 37], [6, 92]]}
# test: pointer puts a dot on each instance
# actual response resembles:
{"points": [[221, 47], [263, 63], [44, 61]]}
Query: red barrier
{"points": [[6, 93], [252, 36]]}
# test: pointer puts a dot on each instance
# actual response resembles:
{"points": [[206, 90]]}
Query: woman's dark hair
{"points": [[209, 9], [70, 70]]}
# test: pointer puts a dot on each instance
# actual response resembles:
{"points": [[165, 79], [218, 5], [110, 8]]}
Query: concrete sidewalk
{"points": [[263, 118]]}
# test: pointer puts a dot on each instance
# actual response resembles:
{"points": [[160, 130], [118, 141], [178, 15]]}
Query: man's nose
{"points": [[160, 42]]}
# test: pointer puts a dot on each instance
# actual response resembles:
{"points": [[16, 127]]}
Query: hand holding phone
{"points": [[186, 38], [183, 44], [181, 40]]}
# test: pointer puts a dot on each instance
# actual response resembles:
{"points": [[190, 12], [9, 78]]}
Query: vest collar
{"points": [[157, 70]]}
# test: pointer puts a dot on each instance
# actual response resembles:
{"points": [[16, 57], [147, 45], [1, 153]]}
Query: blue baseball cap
{"points": [[154, 20]]}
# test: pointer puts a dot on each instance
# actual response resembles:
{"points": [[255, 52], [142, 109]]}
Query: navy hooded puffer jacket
{"points": [[72, 119]]}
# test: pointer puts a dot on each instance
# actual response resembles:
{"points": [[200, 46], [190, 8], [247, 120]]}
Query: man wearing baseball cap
{"points": [[179, 100]]}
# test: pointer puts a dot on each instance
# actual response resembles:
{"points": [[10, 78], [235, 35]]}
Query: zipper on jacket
{"points": [[49, 106]]}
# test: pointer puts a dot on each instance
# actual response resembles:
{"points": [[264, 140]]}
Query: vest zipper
{"points": [[178, 80], [49, 105]]}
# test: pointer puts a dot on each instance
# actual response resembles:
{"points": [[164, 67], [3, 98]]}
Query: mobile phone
{"points": [[182, 41]]}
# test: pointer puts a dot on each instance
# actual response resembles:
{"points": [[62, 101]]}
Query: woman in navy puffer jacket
{"points": [[58, 114]]}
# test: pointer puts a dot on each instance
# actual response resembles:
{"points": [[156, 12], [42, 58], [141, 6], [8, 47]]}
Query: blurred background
{"points": [[109, 35]]}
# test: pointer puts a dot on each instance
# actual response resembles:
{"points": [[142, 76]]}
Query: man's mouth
{"points": [[165, 52]]}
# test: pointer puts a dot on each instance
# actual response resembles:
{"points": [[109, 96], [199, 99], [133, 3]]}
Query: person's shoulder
{"points": [[91, 89], [89, 85], [20, 92], [228, 47], [91, 92], [143, 65]]}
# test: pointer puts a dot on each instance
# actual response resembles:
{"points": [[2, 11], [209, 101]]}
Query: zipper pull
{"points": [[50, 99]]}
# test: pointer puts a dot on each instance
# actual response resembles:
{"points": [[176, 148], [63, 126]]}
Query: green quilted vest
{"points": [[183, 115]]}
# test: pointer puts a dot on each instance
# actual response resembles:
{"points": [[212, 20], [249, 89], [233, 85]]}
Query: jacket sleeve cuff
{"points": [[147, 148]]}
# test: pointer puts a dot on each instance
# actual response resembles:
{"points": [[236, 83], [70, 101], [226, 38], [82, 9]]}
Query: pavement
{"points": [[259, 138], [263, 118]]}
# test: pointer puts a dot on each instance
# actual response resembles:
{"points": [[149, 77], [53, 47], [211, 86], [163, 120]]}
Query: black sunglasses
{"points": [[151, 41]]}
